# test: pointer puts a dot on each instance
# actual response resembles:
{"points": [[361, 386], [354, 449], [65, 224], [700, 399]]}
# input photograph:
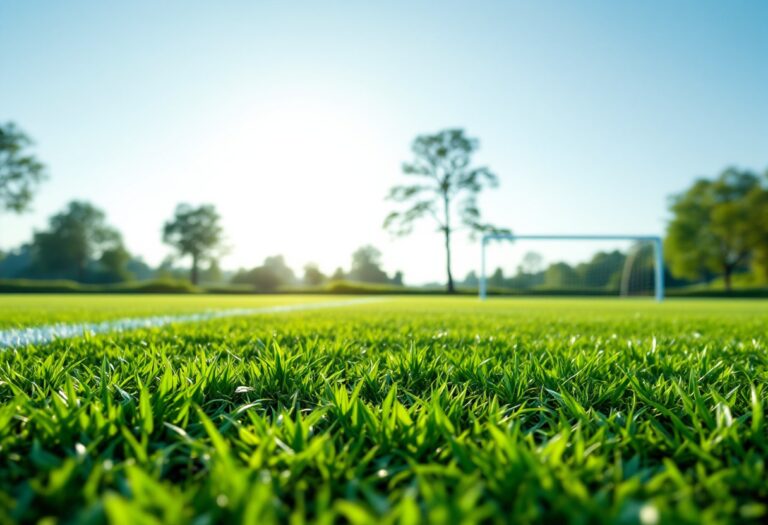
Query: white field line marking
{"points": [[36, 335]]}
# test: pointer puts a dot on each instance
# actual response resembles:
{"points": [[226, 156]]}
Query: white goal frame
{"points": [[658, 251]]}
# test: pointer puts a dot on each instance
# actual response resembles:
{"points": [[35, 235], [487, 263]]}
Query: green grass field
{"points": [[19, 310], [405, 410]]}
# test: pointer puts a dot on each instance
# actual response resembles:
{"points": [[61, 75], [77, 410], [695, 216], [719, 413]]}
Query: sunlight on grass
{"points": [[405, 411]]}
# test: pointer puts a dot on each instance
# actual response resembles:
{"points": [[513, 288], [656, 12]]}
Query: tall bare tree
{"points": [[446, 190]]}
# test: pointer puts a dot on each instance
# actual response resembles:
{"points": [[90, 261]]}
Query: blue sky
{"points": [[293, 118]]}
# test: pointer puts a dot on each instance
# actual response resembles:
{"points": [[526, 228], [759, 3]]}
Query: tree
{"points": [[560, 275], [523, 280], [17, 263], [471, 279], [276, 264], [529, 273], [262, 278], [338, 274], [313, 276], [757, 202], [532, 263], [76, 236], [496, 280], [602, 270], [167, 269], [268, 277], [213, 273], [139, 269], [195, 232], [638, 269], [713, 228], [20, 171], [114, 264], [366, 266], [447, 189]]}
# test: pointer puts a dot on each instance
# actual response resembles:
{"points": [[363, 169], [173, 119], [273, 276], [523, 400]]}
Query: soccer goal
{"points": [[622, 265]]}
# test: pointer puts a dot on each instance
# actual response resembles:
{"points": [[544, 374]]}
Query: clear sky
{"points": [[293, 118]]}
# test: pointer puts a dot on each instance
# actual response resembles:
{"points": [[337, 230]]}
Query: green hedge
{"points": [[64, 286], [170, 286], [754, 293]]}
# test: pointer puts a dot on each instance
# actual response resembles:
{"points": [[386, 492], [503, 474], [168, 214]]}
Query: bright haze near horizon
{"points": [[293, 119]]}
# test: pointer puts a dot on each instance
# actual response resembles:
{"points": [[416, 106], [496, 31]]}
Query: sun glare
{"points": [[313, 155]]}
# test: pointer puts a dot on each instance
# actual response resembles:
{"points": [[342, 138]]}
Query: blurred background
{"points": [[281, 130]]}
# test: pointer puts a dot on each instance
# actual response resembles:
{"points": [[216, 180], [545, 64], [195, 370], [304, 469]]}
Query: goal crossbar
{"points": [[658, 251]]}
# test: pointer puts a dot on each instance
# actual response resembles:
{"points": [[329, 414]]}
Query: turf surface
{"points": [[402, 411], [22, 310]]}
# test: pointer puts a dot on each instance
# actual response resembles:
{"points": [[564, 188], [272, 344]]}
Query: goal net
{"points": [[628, 266]]}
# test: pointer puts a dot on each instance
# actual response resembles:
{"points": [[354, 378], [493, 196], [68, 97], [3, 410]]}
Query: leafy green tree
{"points": [[638, 271], [366, 266], [560, 275], [523, 280], [139, 269], [471, 279], [17, 262], [313, 276], [262, 279], [601, 271], [338, 274], [268, 277], [74, 237], [532, 263], [757, 203], [713, 226], [114, 263], [167, 269], [446, 190], [496, 280], [20, 171], [195, 232], [213, 274], [276, 264]]}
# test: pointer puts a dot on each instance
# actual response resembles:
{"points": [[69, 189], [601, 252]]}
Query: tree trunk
{"points": [[727, 271], [451, 288], [729, 268], [447, 231], [193, 276], [727, 278]]}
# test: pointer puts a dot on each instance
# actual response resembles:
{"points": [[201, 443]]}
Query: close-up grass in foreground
{"points": [[405, 410]]}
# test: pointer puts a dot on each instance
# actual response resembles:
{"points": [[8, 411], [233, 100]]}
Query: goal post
{"points": [[658, 253]]}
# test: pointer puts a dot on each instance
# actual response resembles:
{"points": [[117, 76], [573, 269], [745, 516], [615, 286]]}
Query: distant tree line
{"points": [[365, 267], [718, 229], [604, 271], [79, 244]]}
